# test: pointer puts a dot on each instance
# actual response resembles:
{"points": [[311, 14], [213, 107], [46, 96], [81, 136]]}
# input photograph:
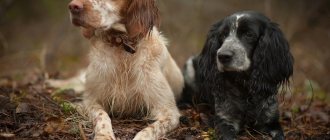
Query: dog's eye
{"points": [[250, 35]]}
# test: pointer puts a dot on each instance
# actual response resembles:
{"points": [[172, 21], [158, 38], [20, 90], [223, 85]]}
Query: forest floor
{"points": [[31, 110]]}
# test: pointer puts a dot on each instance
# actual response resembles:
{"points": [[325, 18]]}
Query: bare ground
{"points": [[31, 110]]}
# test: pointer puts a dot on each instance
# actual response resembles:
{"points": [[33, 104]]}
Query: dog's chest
{"points": [[255, 107], [118, 81]]}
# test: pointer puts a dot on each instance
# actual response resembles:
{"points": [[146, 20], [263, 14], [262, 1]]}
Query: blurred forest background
{"points": [[37, 36]]}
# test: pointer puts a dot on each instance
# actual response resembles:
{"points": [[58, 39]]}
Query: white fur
{"points": [[274, 133], [246, 64], [219, 64], [109, 13], [237, 19], [190, 78]]}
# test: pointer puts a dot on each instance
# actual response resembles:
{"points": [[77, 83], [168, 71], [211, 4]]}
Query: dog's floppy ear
{"points": [[273, 62], [140, 17], [207, 58]]}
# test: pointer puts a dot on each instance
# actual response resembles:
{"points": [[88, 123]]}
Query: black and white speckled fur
{"points": [[240, 69]]}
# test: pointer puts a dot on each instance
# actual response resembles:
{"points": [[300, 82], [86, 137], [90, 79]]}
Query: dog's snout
{"points": [[76, 6], [225, 57]]}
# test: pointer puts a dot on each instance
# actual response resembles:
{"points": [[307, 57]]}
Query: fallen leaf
{"points": [[23, 108], [54, 124]]}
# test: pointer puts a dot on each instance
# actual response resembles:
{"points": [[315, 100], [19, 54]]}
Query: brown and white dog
{"points": [[131, 72]]}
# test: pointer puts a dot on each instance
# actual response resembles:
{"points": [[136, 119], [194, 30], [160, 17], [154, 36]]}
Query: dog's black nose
{"points": [[225, 56]]}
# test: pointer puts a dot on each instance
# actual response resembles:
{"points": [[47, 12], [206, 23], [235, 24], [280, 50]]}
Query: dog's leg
{"points": [[101, 122], [166, 120], [275, 130], [163, 110], [76, 83], [226, 126], [269, 119], [273, 126], [225, 129]]}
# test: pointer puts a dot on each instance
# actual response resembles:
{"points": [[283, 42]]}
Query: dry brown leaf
{"points": [[54, 124]]}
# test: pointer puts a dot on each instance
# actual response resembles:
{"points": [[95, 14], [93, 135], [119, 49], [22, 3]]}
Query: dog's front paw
{"points": [[144, 135], [277, 135], [103, 137]]}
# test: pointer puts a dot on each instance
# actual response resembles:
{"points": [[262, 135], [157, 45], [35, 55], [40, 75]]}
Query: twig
{"points": [[248, 132], [45, 97], [82, 133], [46, 111], [312, 98], [260, 133]]}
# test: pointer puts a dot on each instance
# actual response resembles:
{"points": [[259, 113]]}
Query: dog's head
{"points": [[138, 16], [248, 41]]}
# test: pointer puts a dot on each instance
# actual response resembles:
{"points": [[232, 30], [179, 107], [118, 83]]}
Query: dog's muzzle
{"points": [[232, 56]]}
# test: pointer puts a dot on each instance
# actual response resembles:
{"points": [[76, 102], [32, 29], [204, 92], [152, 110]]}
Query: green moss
{"points": [[211, 133], [67, 107], [295, 109], [74, 130]]}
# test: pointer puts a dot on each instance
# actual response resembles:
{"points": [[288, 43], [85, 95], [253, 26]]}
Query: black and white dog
{"points": [[240, 69]]}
